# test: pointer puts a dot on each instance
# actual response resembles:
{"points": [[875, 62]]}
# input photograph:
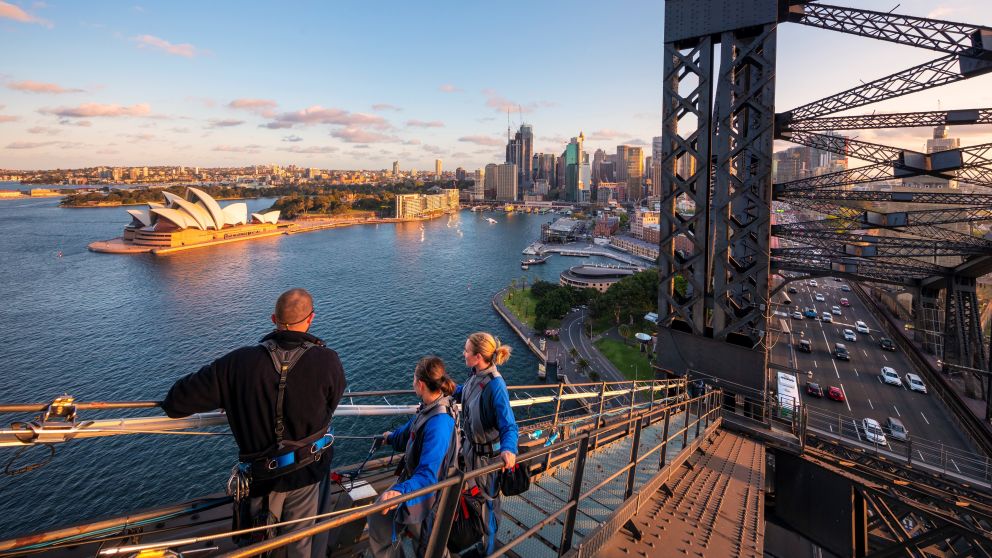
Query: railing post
{"points": [[554, 428], [654, 384], [685, 423], [909, 452], [664, 436], [635, 450], [574, 493], [630, 412], [599, 414], [437, 543], [699, 414]]}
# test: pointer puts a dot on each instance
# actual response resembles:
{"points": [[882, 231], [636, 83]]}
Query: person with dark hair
{"points": [[279, 397], [489, 428], [430, 442]]}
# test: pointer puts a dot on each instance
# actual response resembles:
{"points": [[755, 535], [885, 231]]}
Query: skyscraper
{"points": [[506, 182], [490, 180], [544, 167], [575, 159], [520, 151], [479, 189], [459, 174], [630, 168], [437, 168], [597, 159], [396, 168]]}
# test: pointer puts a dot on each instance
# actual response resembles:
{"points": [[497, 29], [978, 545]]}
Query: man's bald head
{"points": [[294, 310]]}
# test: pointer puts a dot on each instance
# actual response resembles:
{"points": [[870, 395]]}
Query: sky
{"points": [[357, 85]]}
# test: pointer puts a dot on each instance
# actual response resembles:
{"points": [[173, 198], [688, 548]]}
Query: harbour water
{"points": [[106, 327]]}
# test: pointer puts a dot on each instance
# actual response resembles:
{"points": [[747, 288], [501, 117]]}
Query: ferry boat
{"points": [[535, 261], [491, 220]]}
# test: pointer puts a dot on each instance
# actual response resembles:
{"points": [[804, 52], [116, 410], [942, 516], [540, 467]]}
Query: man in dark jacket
{"points": [[279, 397]]}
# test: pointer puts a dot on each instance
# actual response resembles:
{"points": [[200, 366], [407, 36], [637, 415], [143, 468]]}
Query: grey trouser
{"points": [[286, 506], [381, 542]]}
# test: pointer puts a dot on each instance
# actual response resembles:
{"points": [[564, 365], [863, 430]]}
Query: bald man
{"points": [[279, 397]]}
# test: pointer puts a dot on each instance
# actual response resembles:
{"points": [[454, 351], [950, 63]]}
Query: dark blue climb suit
{"points": [[488, 428]]}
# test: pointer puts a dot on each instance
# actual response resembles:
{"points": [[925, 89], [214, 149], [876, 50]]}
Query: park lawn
{"points": [[627, 358], [522, 305]]}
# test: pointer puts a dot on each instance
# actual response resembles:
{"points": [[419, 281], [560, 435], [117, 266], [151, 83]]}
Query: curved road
{"points": [[571, 336]]}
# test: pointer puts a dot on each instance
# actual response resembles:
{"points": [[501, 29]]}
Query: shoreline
{"points": [[118, 246]]}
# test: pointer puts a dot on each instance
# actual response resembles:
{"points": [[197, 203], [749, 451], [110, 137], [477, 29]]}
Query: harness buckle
{"points": [[271, 465]]}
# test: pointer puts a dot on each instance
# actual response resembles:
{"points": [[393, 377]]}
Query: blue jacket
{"points": [[496, 411], [437, 434]]}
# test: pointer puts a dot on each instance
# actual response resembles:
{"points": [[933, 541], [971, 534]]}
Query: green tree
{"points": [[625, 332]]}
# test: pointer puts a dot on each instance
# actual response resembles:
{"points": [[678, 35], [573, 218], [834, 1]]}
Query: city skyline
{"points": [[183, 84]]}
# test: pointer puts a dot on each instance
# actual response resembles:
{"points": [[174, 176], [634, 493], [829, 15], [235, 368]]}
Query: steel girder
{"points": [[741, 201], [866, 245], [962, 327], [894, 120], [686, 94], [942, 36], [840, 196]]}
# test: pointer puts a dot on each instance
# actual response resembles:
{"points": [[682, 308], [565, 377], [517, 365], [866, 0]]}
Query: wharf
{"points": [[583, 250]]}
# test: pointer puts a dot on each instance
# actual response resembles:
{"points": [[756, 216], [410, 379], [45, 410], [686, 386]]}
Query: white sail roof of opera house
{"points": [[197, 211]]}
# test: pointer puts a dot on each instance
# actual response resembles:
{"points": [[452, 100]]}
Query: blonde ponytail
{"points": [[489, 348]]}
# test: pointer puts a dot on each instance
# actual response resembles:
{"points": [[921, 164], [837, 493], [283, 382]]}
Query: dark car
{"points": [[810, 313], [804, 346], [840, 352], [814, 390], [793, 290], [835, 393], [887, 344]]}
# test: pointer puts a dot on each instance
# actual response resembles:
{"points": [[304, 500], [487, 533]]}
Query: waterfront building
{"points": [[421, 206], [437, 168], [506, 182], [490, 175], [563, 230], [541, 187], [10, 193], [479, 188], [594, 276], [641, 248]]}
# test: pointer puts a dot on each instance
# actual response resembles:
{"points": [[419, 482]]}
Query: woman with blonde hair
{"points": [[489, 429]]}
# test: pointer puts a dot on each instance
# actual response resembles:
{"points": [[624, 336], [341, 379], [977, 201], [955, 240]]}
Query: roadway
{"points": [[571, 336], [929, 423]]}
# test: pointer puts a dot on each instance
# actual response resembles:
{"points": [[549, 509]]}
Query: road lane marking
{"points": [[856, 373], [924, 417], [955, 465], [844, 391], [831, 427], [870, 405], [921, 456], [855, 426], [886, 358], [866, 353], [897, 411], [815, 365]]}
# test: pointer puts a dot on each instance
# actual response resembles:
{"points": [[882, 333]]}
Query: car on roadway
{"points": [[861, 327], [797, 315], [845, 288], [819, 297], [813, 283], [835, 310], [915, 383], [845, 302], [890, 376], [810, 313], [827, 317], [896, 429], [793, 290], [886, 344], [873, 431], [840, 352], [850, 335], [835, 393], [804, 346], [813, 389]]}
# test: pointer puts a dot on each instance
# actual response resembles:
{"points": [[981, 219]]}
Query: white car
{"points": [[915, 383], [835, 310], [861, 327], [890, 376], [873, 431], [813, 283], [819, 297], [849, 335], [797, 315], [827, 317]]}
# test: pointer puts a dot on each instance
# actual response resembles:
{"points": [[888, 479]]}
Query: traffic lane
{"points": [[922, 414], [572, 326]]}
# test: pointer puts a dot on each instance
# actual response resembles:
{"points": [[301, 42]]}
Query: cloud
{"points": [[253, 148], [940, 12], [179, 130], [320, 115], [29, 86], [639, 142], [363, 146], [502, 104], [185, 50], [423, 124], [432, 149], [482, 140], [44, 130], [292, 138], [8, 118], [263, 107], [10, 11], [140, 137], [605, 134], [310, 150], [205, 101], [352, 134], [276, 125], [385, 106], [225, 123], [448, 88], [78, 123], [411, 142], [89, 110], [30, 144]]}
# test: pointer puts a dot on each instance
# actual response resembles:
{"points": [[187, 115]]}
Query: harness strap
{"points": [[284, 361]]}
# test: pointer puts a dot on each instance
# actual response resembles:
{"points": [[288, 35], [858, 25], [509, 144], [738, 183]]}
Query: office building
{"points": [[490, 177], [544, 167], [418, 206], [577, 170], [459, 174], [520, 152], [396, 168], [506, 182], [479, 188], [437, 168]]}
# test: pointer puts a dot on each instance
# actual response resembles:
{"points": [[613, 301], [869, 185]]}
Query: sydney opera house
{"points": [[195, 219]]}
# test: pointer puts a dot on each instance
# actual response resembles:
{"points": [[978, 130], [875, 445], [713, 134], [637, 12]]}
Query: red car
{"points": [[835, 393], [845, 302]]}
